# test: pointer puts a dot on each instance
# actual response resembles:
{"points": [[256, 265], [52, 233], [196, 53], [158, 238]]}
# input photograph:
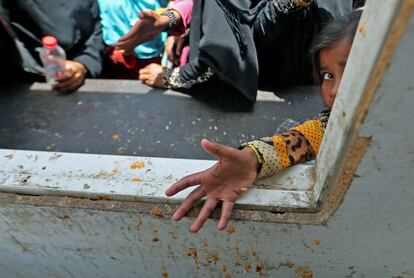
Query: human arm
{"points": [[91, 53], [234, 173], [72, 78], [276, 18], [149, 25], [184, 77], [236, 170]]}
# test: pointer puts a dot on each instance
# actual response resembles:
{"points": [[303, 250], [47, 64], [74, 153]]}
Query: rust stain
{"points": [[137, 180], [362, 30], [317, 242], [304, 272], [116, 138], [246, 266], [164, 272], [155, 237], [259, 268], [157, 212], [231, 229], [104, 198], [192, 252], [138, 227], [216, 257], [137, 165]]}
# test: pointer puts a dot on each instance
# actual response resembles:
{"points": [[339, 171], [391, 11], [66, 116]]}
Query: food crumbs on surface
{"points": [[304, 272], [362, 30], [157, 212], [164, 272], [137, 180], [86, 186], [116, 138], [231, 229], [243, 189], [155, 237], [81, 134], [137, 165], [246, 266], [317, 242], [120, 151], [10, 156], [193, 253], [259, 268], [50, 147]]}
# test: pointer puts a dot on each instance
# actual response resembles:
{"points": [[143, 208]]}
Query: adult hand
{"points": [[72, 78], [234, 173], [149, 25], [152, 75], [174, 47]]}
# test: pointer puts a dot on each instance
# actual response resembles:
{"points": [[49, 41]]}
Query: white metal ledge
{"points": [[144, 179]]}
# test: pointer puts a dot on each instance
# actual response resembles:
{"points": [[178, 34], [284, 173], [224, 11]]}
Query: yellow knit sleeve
{"points": [[313, 131]]}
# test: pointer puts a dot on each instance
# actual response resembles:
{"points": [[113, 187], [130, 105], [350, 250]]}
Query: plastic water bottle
{"points": [[53, 58]]}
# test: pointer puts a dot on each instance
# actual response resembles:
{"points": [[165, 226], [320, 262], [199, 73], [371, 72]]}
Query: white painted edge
{"points": [[94, 176], [373, 28]]}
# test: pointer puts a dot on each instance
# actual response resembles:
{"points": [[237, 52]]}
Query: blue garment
{"points": [[117, 18]]}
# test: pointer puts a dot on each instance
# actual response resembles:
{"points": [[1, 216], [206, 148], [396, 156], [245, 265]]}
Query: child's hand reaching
{"points": [[234, 172]]}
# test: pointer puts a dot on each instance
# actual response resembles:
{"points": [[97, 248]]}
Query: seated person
{"points": [[237, 169], [117, 18], [223, 46], [74, 23]]}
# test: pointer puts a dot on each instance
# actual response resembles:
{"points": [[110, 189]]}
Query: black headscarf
{"points": [[221, 38]]}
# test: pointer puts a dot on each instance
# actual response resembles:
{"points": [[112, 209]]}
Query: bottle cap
{"points": [[49, 41]]}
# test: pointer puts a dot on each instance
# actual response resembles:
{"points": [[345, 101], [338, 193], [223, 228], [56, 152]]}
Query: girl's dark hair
{"points": [[338, 29]]}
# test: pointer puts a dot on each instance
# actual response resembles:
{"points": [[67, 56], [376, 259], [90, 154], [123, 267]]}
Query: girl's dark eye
{"points": [[327, 76]]}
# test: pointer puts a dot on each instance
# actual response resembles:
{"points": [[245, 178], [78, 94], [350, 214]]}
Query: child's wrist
{"points": [[254, 157]]}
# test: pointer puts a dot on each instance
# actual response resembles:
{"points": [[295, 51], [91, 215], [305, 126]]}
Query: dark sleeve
{"points": [[270, 24], [91, 54], [192, 73]]}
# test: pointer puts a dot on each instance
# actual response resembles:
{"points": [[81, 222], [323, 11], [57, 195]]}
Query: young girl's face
{"points": [[333, 61]]}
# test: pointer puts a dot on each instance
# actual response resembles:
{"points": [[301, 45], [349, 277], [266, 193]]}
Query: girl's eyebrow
{"points": [[323, 68]]}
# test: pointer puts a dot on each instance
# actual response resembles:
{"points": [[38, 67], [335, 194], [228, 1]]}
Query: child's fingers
{"points": [[183, 183], [205, 212], [226, 210], [192, 198]]}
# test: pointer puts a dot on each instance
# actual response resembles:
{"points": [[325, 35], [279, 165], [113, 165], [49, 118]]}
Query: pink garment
{"points": [[184, 8], [185, 53]]}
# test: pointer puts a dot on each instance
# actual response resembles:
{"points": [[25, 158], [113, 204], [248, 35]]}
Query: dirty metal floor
{"points": [[128, 118]]}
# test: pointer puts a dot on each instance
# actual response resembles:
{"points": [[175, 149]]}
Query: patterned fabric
{"points": [[296, 146], [172, 79], [313, 131], [288, 6], [270, 163]]}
